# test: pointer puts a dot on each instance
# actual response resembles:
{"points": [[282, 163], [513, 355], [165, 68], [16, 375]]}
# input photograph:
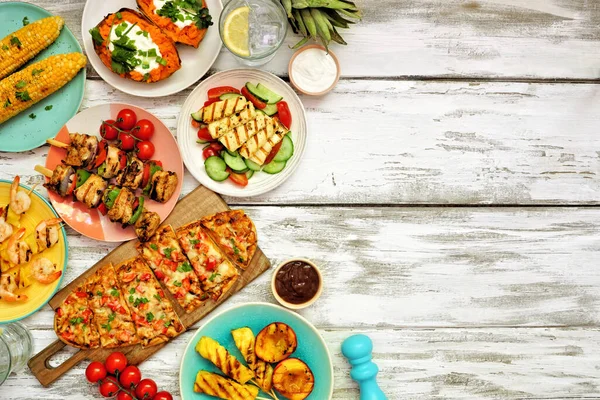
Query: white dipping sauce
{"points": [[314, 70], [187, 17], [142, 42]]}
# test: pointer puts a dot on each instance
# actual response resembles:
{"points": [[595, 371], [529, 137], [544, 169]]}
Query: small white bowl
{"points": [[293, 306], [299, 88]]}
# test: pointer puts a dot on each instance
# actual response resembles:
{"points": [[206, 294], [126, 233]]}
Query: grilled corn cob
{"points": [[25, 88], [223, 388], [218, 355], [21, 46]]}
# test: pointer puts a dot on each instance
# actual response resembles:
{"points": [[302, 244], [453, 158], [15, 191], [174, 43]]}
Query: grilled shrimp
{"points": [[44, 271], [19, 200], [6, 230], [8, 287], [47, 233], [18, 250]]}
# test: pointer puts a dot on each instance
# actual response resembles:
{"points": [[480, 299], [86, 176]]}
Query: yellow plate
{"points": [[38, 294]]}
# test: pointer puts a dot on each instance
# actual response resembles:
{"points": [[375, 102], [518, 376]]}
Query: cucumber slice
{"points": [[268, 94], [227, 96], [197, 116], [201, 141], [216, 168], [274, 167], [249, 174], [252, 165], [286, 151], [236, 162], [255, 92], [270, 110], [231, 153]]}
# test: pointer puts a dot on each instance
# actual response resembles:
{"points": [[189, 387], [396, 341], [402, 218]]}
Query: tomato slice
{"points": [[210, 101], [238, 179], [101, 153], [216, 92], [146, 175], [257, 103], [204, 134], [195, 123], [285, 116], [273, 153], [103, 209]]}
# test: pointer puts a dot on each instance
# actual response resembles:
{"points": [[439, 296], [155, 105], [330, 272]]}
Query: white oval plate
{"points": [[191, 151], [194, 62]]}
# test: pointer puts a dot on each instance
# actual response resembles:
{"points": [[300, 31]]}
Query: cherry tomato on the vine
{"points": [[109, 387], [144, 149], [108, 130], [143, 130], [130, 376], [95, 371], [126, 119], [127, 141], [163, 396], [124, 395], [146, 389], [115, 362]]}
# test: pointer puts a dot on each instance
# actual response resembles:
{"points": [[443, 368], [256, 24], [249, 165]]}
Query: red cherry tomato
{"points": [[204, 134], [108, 130], [216, 92], [163, 396], [126, 119], [143, 130], [146, 389], [273, 153], [109, 387], [127, 141], [115, 362], [257, 103], [285, 116], [130, 376], [95, 372], [210, 101], [144, 149], [208, 152], [123, 395], [238, 179], [216, 146]]}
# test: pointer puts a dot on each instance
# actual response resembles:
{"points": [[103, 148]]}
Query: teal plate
{"points": [[311, 347], [22, 133]]}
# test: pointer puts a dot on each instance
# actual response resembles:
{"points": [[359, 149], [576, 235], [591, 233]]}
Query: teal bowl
{"points": [[21, 133], [311, 347]]}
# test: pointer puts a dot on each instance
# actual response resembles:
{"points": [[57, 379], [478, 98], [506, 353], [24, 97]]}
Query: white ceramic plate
{"points": [[194, 62], [191, 151]]}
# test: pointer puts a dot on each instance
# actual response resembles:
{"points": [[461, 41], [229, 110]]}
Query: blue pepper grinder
{"points": [[358, 350]]}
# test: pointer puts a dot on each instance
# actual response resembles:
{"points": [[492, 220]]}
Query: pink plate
{"points": [[90, 222]]}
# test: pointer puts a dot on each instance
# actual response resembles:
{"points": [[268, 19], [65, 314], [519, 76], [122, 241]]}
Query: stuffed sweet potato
{"points": [[129, 45], [184, 21]]}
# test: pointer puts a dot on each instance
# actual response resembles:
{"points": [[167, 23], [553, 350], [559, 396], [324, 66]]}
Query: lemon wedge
{"points": [[236, 31]]}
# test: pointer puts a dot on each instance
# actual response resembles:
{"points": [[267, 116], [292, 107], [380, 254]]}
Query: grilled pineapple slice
{"points": [[25, 279], [244, 341], [218, 355], [216, 385]]}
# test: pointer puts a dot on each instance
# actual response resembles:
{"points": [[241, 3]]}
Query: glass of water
{"points": [[16, 346], [253, 30]]}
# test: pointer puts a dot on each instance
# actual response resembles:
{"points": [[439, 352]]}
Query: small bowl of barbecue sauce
{"points": [[297, 283]]}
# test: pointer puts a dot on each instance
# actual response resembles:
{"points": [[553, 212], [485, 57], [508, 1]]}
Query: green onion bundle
{"points": [[319, 19]]}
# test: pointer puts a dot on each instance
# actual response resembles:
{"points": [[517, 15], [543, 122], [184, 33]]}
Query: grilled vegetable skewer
{"points": [[119, 204]]}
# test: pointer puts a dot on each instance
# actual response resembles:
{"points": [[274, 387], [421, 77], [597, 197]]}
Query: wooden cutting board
{"points": [[197, 204]]}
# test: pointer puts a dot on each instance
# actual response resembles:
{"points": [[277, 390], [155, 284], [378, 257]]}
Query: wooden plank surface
{"points": [[374, 142], [513, 39]]}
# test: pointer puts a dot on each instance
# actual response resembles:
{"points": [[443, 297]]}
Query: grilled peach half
{"points": [[293, 379], [275, 342]]}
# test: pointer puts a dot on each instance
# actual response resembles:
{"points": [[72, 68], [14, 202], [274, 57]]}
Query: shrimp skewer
{"points": [[20, 202], [44, 270], [21, 250], [8, 286], [6, 230]]}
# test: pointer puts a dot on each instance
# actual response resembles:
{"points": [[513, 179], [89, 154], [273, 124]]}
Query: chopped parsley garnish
{"points": [[168, 252], [185, 267], [96, 36], [23, 96], [32, 116], [153, 246], [213, 276], [36, 72], [76, 321], [48, 108], [4, 47], [161, 61], [157, 297], [25, 21], [111, 318], [20, 84], [118, 14], [99, 293], [123, 55], [139, 32], [177, 283], [194, 241], [132, 290], [140, 300], [235, 249], [114, 293], [186, 10], [167, 324], [16, 42], [149, 317], [7, 103], [145, 33], [131, 298]]}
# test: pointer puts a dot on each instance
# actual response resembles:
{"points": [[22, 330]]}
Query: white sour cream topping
{"points": [[142, 43], [187, 18], [314, 70]]}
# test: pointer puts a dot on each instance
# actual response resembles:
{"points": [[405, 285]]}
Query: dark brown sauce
{"points": [[297, 282]]}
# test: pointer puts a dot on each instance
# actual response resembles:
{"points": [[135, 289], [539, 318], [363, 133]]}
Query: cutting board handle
{"points": [[44, 372]]}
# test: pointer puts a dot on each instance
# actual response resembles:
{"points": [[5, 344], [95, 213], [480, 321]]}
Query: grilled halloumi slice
{"points": [[235, 138], [220, 357], [261, 155], [257, 141], [222, 109], [223, 388], [220, 127]]}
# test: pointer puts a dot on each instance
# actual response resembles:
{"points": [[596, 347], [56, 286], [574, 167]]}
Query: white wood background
{"points": [[449, 191]]}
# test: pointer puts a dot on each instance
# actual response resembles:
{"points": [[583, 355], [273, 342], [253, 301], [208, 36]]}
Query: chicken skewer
{"points": [[87, 152], [119, 204]]}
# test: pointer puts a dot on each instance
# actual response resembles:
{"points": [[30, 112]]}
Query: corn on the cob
{"points": [[21, 46], [23, 89]]}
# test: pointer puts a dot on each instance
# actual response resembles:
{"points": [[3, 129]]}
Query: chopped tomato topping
{"points": [[159, 274], [186, 284], [145, 277], [211, 263], [140, 288], [81, 294], [128, 277], [60, 312], [161, 293]]}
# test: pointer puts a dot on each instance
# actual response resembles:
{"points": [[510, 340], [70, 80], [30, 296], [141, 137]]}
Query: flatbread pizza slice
{"points": [[73, 321], [151, 311], [170, 265], [235, 233], [111, 313], [217, 274]]}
